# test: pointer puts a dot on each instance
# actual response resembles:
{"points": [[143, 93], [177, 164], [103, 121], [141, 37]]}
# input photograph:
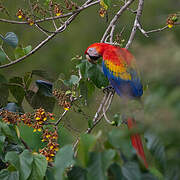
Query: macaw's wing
{"points": [[120, 68]]}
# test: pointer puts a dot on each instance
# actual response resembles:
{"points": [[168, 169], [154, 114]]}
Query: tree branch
{"points": [[115, 19], [59, 30], [84, 6], [136, 22]]}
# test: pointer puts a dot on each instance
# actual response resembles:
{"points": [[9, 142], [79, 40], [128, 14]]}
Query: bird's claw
{"points": [[108, 89]]}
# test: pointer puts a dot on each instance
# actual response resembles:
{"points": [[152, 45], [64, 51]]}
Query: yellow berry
{"points": [[170, 25]]}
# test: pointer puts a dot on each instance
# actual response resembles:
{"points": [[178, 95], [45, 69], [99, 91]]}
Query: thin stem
{"points": [[136, 21], [115, 19]]}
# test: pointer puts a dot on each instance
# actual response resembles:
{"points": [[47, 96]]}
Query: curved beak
{"points": [[90, 60]]}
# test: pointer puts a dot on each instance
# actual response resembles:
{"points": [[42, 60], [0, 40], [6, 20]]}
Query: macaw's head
{"points": [[94, 52]]}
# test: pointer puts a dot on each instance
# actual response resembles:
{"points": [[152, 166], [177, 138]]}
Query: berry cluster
{"points": [[35, 120], [63, 99], [22, 15], [171, 20], [10, 117], [52, 146]]}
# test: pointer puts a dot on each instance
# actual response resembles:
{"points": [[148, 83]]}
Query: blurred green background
{"points": [[158, 58]]}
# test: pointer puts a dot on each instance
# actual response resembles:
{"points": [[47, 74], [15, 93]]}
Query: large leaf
{"points": [[64, 159], [4, 93], [39, 167], [86, 144], [17, 89], [26, 160], [97, 76], [74, 80], [83, 67], [8, 131], [11, 39], [77, 173], [86, 88], [27, 79], [156, 148], [8, 175], [2, 140], [13, 158], [119, 139], [115, 171], [2, 56], [131, 171], [99, 164]]}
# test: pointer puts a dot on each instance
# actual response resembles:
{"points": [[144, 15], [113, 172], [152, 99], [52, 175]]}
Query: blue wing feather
{"points": [[131, 88]]}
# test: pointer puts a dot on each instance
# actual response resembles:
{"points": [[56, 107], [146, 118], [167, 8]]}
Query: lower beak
{"points": [[90, 60]]}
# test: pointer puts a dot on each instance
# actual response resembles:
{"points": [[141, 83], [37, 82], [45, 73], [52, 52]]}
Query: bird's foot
{"points": [[108, 89]]}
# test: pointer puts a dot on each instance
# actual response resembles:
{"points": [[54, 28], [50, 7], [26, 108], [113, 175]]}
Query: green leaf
{"points": [[86, 89], [2, 56], [64, 159], [77, 173], [39, 167], [115, 171], [16, 88], [84, 67], [27, 49], [27, 79], [131, 171], [99, 164], [13, 158], [26, 160], [97, 76], [2, 140], [86, 144], [119, 139], [74, 80], [7, 131], [7, 175], [23, 163], [11, 39], [20, 52], [4, 92], [156, 148]]}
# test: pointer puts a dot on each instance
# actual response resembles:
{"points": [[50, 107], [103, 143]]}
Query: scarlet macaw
{"points": [[119, 67]]}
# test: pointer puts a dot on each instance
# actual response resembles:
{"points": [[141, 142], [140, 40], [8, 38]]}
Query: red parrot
{"points": [[119, 66]]}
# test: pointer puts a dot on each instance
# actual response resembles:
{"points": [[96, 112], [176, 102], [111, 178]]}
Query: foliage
{"points": [[44, 114]]}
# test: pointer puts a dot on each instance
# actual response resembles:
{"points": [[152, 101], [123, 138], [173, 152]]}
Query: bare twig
{"points": [[116, 17], [84, 6], [59, 120], [136, 22], [59, 30], [5, 54], [42, 29], [25, 144], [106, 107]]}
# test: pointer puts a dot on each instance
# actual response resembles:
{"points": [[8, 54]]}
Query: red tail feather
{"points": [[136, 141]]}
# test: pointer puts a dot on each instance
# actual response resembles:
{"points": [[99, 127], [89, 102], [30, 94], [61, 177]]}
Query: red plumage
{"points": [[119, 66]]}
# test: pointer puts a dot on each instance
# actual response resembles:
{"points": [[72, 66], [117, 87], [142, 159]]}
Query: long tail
{"points": [[136, 141]]}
